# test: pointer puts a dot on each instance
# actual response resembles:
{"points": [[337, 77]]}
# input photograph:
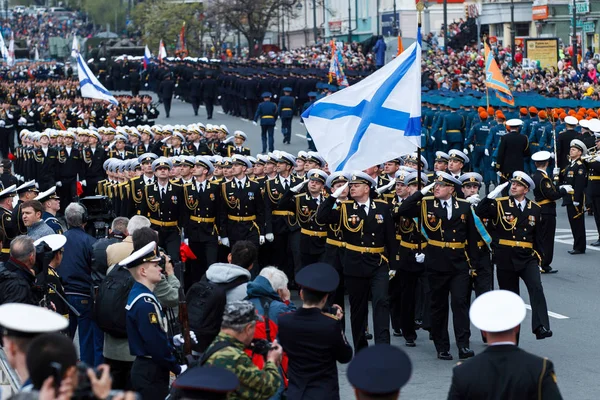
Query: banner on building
{"points": [[539, 13], [335, 26], [543, 50]]}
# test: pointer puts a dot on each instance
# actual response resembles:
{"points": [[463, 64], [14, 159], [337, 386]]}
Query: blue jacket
{"points": [[75, 268], [287, 106], [260, 290], [267, 112], [379, 50]]}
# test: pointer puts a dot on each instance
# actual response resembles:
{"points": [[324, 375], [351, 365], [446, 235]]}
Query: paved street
{"points": [[572, 296]]}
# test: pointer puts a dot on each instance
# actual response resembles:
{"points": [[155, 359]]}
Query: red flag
{"points": [[79, 189], [186, 253]]}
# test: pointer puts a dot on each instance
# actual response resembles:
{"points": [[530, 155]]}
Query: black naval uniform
{"points": [[282, 224], [546, 195], [70, 165], [512, 152], [368, 238], [576, 175], [314, 342], [242, 211], [522, 376], [312, 233], [45, 167], [594, 192], [94, 159], [518, 249], [164, 212], [8, 227], [450, 254], [202, 201]]}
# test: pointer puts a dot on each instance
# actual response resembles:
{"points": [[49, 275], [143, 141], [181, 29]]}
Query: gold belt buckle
{"points": [[446, 244], [518, 243]]}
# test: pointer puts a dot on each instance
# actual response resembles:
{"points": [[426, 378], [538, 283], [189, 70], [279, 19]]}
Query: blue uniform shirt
{"points": [[478, 134], [267, 112], [286, 106], [147, 328], [52, 222]]}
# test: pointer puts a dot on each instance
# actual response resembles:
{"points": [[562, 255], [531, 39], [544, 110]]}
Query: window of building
{"points": [[522, 29]]}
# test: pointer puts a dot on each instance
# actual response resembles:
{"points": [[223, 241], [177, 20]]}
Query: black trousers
{"points": [[67, 192], [210, 106], [484, 280], [310, 258], [120, 372], [280, 254], [577, 223], [548, 231], [596, 209], [206, 254], [167, 104], [358, 292], [195, 104], [334, 256], [395, 295], [509, 280], [286, 128], [455, 284], [408, 295], [423, 301], [149, 379], [169, 240]]}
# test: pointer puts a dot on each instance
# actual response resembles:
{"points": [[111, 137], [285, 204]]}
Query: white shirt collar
{"points": [[367, 203], [242, 181], [160, 188], [502, 343]]}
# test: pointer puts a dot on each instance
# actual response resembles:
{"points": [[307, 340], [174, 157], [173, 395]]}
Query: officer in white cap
{"points": [[55, 291], [239, 138], [503, 370], [512, 151], [563, 144], [517, 244], [367, 227], [594, 180], [20, 324], [6, 207], [546, 194], [575, 175], [457, 162]]}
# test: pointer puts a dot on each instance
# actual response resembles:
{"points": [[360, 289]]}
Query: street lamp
{"points": [[512, 31], [395, 29], [574, 39], [314, 4]]}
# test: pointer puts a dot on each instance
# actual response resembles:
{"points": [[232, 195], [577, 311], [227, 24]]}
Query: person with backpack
{"points": [[223, 283], [117, 232]]}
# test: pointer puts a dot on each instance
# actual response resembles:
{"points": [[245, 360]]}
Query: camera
{"points": [[261, 347], [84, 391], [100, 214]]}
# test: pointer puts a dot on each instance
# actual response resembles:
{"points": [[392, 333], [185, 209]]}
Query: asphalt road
{"points": [[572, 297]]}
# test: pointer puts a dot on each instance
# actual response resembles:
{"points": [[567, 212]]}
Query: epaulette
{"points": [[252, 180], [502, 198], [380, 201], [579, 162], [461, 200], [176, 183], [348, 202], [330, 316], [134, 178], [536, 204], [428, 198]]}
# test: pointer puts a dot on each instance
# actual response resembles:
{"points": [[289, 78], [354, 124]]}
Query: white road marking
{"points": [[220, 112], [550, 313], [570, 242], [299, 135]]}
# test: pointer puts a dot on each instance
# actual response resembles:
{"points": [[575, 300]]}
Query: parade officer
{"points": [[267, 113], [503, 370], [450, 255], [162, 203], [512, 150], [51, 204], [55, 290], [368, 231], [594, 181], [147, 327], [518, 247], [575, 175], [287, 108], [312, 337], [239, 138], [546, 195]]}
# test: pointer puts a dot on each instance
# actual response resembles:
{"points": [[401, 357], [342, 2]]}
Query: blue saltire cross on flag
{"points": [[374, 120], [89, 85]]}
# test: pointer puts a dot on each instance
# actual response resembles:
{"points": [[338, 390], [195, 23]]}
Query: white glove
{"points": [[31, 114], [186, 241], [299, 186], [229, 139], [567, 188], [261, 240], [391, 274], [499, 173], [183, 368], [2, 123], [225, 241], [552, 155], [420, 258], [474, 200], [269, 237], [432, 138], [471, 147], [493, 164], [254, 123], [22, 121], [385, 188], [83, 183], [597, 158], [427, 188], [178, 340], [556, 171], [338, 191], [486, 152], [494, 193], [59, 184], [444, 142], [466, 151], [576, 204]]}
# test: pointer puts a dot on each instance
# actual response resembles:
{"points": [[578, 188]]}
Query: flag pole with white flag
{"points": [[75, 47], [89, 84], [373, 121], [3, 48], [11, 51], [162, 52], [36, 57]]}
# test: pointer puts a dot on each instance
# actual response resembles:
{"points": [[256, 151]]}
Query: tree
{"points": [[159, 19], [106, 12], [252, 18]]}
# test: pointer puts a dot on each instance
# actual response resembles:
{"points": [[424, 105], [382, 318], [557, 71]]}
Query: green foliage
{"points": [[103, 12], [161, 20]]}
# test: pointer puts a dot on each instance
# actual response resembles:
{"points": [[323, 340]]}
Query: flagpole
{"points": [[487, 93], [420, 8]]}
